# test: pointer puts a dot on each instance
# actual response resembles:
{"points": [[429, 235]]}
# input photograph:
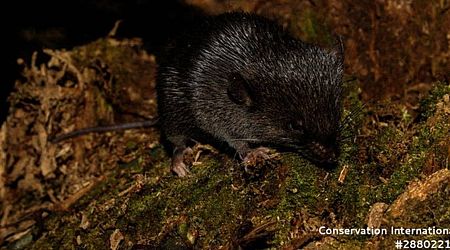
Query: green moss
{"points": [[300, 185], [352, 120], [428, 105], [430, 135]]}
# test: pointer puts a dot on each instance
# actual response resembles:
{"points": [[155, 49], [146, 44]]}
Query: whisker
{"points": [[286, 139], [297, 147], [246, 139], [343, 139], [355, 112], [356, 109]]}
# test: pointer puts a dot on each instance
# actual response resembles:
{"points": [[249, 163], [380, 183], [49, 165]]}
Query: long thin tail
{"points": [[100, 129]]}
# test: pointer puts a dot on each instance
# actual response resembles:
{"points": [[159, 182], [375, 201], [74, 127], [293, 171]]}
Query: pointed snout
{"points": [[324, 155]]}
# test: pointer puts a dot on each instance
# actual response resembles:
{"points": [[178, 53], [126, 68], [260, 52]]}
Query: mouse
{"points": [[242, 81]]}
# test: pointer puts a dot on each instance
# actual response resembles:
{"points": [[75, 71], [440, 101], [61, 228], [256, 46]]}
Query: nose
{"points": [[325, 156], [330, 162]]}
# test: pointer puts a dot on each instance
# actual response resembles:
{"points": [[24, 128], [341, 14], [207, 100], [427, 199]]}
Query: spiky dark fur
{"points": [[241, 79]]}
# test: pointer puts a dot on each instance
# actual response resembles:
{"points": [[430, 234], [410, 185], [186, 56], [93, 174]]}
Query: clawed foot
{"points": [[183, 156], [179, 166], [256, 156], [180, 169]]}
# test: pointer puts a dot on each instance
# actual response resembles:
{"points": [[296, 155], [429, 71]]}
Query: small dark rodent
{"points": [[240, 79]]}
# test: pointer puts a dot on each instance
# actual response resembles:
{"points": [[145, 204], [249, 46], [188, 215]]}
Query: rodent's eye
{"points": [[296, 126]]}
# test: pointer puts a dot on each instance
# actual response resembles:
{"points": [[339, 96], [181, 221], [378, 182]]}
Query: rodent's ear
{"points": [[239, 90], [339, 47]]}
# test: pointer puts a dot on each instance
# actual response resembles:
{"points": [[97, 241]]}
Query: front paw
{"points": [[180, 169], [256, 156], [260, 162], [179, 160]]}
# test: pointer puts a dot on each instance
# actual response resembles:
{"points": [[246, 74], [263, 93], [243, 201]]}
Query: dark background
{"points": [[32, 25]]}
